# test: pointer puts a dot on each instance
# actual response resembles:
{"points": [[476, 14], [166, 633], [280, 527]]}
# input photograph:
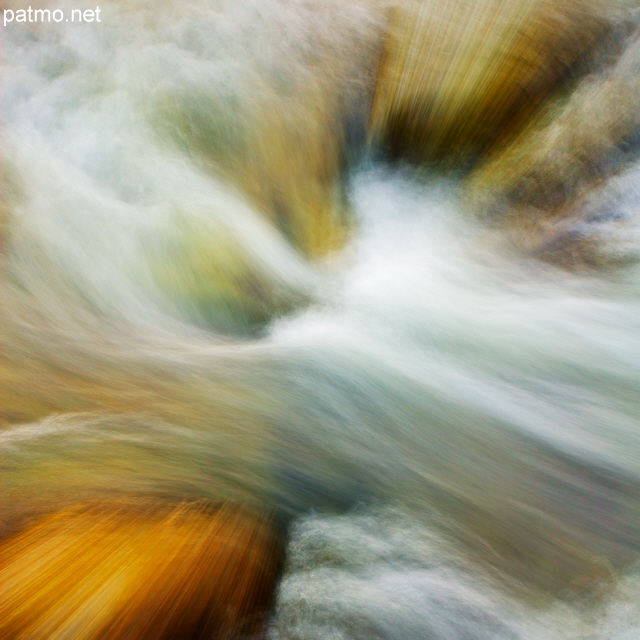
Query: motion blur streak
{"points": [[361, 273], [136, 571]]}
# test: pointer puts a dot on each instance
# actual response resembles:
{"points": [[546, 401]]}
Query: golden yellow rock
{"points": [[564, 149], [461, 77], [137, 571]]}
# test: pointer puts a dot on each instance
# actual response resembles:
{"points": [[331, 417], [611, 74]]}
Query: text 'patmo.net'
{"points": [[50, 15]]}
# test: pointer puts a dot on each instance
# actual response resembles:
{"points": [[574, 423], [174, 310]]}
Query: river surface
{"points": [[451, 422]]}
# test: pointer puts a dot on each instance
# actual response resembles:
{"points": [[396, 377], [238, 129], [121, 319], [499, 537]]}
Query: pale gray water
{"points": [[380, 574]]}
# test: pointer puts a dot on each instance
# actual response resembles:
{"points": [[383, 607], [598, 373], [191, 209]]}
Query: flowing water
{"points": [[451, 419]]}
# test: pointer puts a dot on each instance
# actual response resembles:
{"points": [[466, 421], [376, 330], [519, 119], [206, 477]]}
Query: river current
{"points": [[450, 420]]}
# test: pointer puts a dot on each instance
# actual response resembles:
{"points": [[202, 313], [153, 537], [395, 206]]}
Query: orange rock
{"points": [[140, 571]]}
